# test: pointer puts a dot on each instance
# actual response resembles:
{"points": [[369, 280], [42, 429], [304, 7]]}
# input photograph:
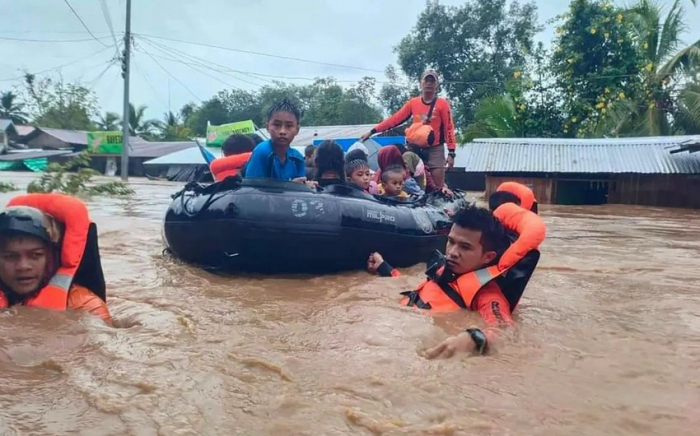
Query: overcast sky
{"points": [[352, 34]]}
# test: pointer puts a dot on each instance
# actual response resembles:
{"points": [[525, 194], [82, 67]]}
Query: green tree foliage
{"points": [[8, 187], [172, 129], [139, 125], [529, 107], [11, 108], [667, 102], [57, 104], [323, 102], [597, 63], [475, 47], [396, 93], [75, 178], [109, 122]]}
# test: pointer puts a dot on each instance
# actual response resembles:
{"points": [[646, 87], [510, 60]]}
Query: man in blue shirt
{"points": [[274, 158]]}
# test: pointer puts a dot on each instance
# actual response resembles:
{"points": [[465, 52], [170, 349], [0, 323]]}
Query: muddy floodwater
{"points": [[607, 342]]}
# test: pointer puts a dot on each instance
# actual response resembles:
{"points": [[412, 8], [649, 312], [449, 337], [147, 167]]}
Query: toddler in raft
{"points": [[358, 173], [393, 182]]}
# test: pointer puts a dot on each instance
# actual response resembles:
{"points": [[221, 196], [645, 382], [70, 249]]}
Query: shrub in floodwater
{"points": [[75, 177], [8, 187]]}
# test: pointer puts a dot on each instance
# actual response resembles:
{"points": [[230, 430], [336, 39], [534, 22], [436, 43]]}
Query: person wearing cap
{"points": [[431, 127], [49, 257]]}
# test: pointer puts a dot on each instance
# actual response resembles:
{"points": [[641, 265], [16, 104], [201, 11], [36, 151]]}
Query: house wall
{"points": [[660, 190], [543, 188], [458, 179], [672, 190]]}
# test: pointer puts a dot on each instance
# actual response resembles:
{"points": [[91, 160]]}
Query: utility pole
{"points": [[125, 74]]}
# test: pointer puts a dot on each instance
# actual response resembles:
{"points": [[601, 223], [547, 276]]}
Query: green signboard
{"points": [[105, 142], [216, 135]]}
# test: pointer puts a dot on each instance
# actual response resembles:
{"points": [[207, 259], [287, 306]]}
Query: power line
{"points": [[102, 50], [148, 81], [172, 53], [108, 19], [169, 74], [208, 64], [263, 54], [7, 38], [94, 81], [83, 23], [196, 69]]}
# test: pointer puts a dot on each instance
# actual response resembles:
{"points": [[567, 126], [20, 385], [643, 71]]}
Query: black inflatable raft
{"points": [[270, 226]]}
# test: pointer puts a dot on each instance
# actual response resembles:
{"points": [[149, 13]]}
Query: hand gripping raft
{"points": [[272, 226]]}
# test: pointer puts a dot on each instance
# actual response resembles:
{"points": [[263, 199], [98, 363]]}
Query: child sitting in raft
{"points": [[274, 158], [391, 156], [237, 150], [329, 162], [358, 172], [393, 182]]}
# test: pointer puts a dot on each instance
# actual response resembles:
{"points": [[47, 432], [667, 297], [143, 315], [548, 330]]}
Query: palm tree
{"points": [[495, 117], [687, 121], [171, 129], [109, 122], [666, 74], [138, 125], [11, 110]]}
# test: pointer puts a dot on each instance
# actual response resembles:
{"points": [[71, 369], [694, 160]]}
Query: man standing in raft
{"points": [[482, 271], [49, 256], [432, 127]]}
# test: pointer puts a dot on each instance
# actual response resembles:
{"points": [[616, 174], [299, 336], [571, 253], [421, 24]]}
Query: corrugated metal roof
{"points": [[31, 154], [147, 149], [307, 135], [24, 130], [192, 156], [78, 137], [650, 155]]}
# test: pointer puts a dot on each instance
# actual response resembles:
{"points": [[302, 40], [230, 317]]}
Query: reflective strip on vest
{"points": [[62, 281], [483, 275]]}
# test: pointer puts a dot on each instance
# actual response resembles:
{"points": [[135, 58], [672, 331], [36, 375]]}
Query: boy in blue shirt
{"points": [[274, 158]]}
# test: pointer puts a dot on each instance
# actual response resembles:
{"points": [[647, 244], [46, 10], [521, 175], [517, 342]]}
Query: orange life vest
{"points": [[456, 295], [74, 215], [525, 194], [228, 166], [529, 227], [459, 294]]}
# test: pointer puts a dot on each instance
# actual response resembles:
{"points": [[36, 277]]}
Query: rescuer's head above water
{"points": [[475, 240], [29, 248], [45, 239]]}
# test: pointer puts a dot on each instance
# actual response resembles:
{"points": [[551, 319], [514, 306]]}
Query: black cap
{"points": [[25, 221]]}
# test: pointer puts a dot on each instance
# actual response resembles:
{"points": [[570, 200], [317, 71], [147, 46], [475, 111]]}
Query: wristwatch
{"points": [[452, 154], [479, 339]]}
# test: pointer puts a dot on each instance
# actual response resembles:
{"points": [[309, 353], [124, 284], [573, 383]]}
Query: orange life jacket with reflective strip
{"points": [[443, 297], [458, 294], [228, 166], [74, 215]]}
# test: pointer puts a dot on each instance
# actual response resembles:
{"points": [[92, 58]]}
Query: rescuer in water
{"points": [[489, 259], [49, 257]]}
